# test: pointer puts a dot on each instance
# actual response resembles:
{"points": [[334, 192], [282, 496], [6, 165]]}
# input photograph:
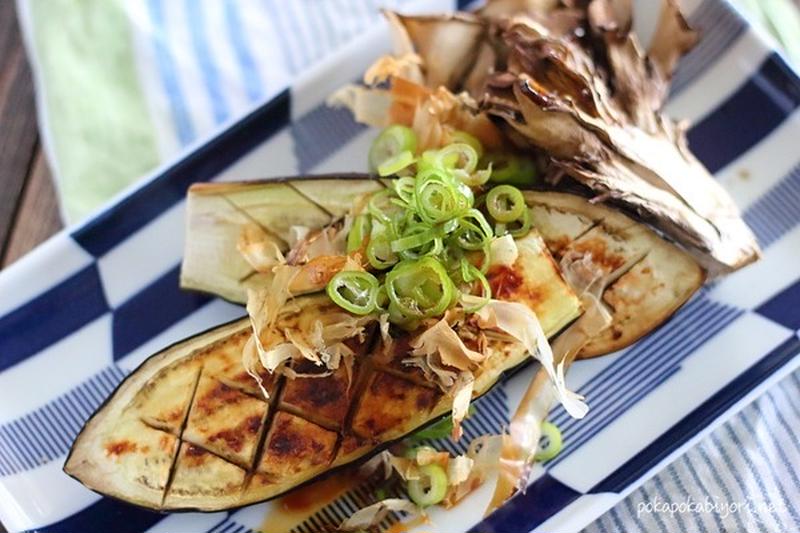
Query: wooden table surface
{"points": [[28, 209]]}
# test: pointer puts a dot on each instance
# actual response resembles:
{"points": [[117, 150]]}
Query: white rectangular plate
{"points": [[86, 308]]}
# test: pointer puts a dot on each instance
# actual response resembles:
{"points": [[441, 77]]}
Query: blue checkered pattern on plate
{"points": [[88, 307]]}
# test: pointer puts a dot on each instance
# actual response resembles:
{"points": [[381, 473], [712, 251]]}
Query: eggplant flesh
{"points": [[191, 430]]}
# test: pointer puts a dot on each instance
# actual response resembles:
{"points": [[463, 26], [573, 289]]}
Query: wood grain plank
{"points": [[18, 118], [18, 137], [38, 215]]}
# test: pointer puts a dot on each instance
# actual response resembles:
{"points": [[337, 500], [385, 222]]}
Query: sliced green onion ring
{"points": [[380, 205], [397, 317], [381, 299], [354, 290], [464, 137], [431, 488], [428, 159], [511, 169], [436, 196], [359, 231], [451, 257], [505, 203], [419, 288], [477, 178], [404, 189], [417, 241], [467, 198], [458, 156], [450, 226], [471, 274], [516, 228], [391, 142], [410, 217], [505, 166], [395, 164], [550, 442], [473, 230], [379, 252]]}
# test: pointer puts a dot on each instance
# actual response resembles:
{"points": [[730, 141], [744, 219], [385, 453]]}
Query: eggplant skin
{"points": [[190, 431]]}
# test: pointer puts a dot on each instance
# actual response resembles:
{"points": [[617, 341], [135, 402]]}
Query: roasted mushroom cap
{"points": [[603, 126]]}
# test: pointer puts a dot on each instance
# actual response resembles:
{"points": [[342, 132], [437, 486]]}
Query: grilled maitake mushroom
{"points": [[592, 99], [569, 80]]}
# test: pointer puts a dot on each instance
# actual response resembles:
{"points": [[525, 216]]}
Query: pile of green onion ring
{"points": [[427, 236]]}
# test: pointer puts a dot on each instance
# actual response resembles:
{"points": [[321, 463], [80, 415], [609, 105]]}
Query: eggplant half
{"points": [[191, 430], [642, 277]]}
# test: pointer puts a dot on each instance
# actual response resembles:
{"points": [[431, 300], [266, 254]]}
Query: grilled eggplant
{"points": [[190, 429], [644, 277]]}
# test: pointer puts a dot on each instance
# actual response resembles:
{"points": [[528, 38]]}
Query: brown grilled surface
{"points": [[225, 364], [325, 399], [294, 446], [225, 421], [216, 436], [389, 405]]}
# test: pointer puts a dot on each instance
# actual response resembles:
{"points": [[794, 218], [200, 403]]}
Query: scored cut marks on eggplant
{"points": [[190, 430]]}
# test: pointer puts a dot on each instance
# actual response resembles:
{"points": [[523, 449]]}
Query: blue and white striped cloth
{"points": [[205, 63], [742, 477]]}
